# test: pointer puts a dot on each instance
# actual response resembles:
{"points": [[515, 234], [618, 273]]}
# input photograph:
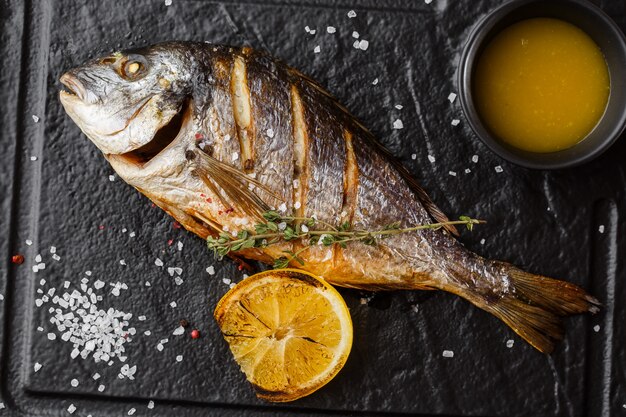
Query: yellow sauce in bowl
{"points": [[541, 85]]}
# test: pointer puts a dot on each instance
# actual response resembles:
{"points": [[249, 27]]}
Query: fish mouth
{"points": [[74, 87], [162, 139]]}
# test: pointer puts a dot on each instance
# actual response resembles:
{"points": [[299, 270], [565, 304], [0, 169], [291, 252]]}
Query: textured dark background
{"points": [[546, 222]]}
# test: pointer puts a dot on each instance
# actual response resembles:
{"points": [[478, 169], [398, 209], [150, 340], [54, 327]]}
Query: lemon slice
{"points": [[289, 331]]}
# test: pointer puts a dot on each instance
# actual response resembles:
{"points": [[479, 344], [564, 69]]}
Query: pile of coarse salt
{"points": [[91, 330]]}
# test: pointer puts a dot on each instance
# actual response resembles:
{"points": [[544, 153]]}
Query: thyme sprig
{"points": [[311, 232]]}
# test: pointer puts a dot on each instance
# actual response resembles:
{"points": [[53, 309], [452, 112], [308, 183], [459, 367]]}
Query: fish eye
{"points": [[133, 69]]}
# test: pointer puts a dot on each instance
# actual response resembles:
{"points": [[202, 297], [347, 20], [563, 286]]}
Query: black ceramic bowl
{"points": [[602, 30]]}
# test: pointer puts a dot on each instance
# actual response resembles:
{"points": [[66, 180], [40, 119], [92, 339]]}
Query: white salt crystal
{"points": [[111, 178], [498, 169], [131, 234], [601, 228], [317, 49], [28, 242], [2, 406], [35, 118], [168, 3], [297, 205], [160, 347], [596, 328], [448, 354], [482, 241], [397, 124], [351, 14], [474, 158], [364, 44], [375, 81], [270, 133], [180, 330], [179, 358], [173, 304], [282, 207], [33, 158], [132, 411], [398, 106], [53, 249], [211, 270], [304, 228], [178, 280], [158, 262], [179, 245], [52, 336], [455, 122], [71, 409], [147, 332], [122, 262], [101, 387], [56, 257], [431, 158], [428, 1], [37, 366], [150, 405], [451, 97], [38, 258], [331, 29], [98, 284], [1, 297], [452, 173], [235, 156], [96, 376], [74, 382], [509, 343], [467, 170], [355, 34], [141, 318]]}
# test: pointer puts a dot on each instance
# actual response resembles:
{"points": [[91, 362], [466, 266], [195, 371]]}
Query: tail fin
{"points": [[535, 306]]}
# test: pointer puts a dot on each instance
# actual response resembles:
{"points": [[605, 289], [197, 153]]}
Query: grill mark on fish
{"points": [[300, 153], [350, 181], [240, 93]]}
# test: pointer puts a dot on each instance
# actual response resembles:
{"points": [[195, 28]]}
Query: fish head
{"points": [[126, 100]]}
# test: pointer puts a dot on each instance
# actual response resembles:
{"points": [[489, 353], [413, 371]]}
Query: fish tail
{"points": [[533, 305]]}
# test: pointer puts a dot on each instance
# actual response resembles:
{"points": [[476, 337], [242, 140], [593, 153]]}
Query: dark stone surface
{"points": [[543, 221]]}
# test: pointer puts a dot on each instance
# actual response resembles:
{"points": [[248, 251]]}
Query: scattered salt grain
{"points": [[467, 170], [452, 173], [178, 280], [317, 49], [158, 262], [363, 44], [74, 382], [1, 297], [355, 34], [168, 3], [375, 81], [88, 273], [147, 332], [235, 156], [498, 169], [131, 234], [132, 411], [71, 409], [297, 205], [270, 133], [331, 29], [37, 366], [596, 328], [283, 207], [304, 228], [482, 241], [38, 258], [179, 245], [414, 156], [2, 406], [398, 106], [351, 14], [397, 124], [226, 281], [451, 97], [101, 387], [180, 330], [111, 178], [122, 262], [601, 228], [509, 343], [35, 118], [431, 159], [127, 371], [33, 158], [474, 158], [150, 405], [52, 336], [179, 358], [97, 285], [96, 376], [173, 304], [455, 122], [428, 1], [210, 270], [448, 354], [56, 257]]}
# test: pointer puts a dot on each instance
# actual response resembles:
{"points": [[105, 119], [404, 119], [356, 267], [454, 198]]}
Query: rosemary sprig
{"points": [[313, 232]]}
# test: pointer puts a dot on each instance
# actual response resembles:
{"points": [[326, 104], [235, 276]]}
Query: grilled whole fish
{"points": [[216, 135]]}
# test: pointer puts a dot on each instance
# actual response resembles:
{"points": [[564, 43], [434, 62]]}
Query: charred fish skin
{"points": [[215, 135]]}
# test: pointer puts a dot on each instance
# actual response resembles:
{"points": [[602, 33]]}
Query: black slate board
{"points": [[546, 222]]}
